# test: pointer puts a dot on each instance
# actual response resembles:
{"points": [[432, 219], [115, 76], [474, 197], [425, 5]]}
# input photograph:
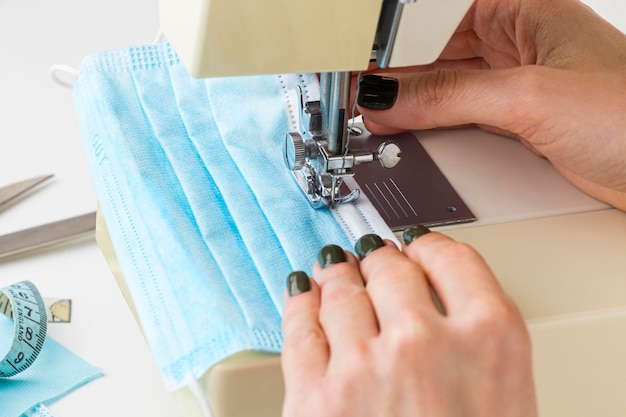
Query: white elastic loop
{"points": [[198, 392], [159, 37], [68, 74]]}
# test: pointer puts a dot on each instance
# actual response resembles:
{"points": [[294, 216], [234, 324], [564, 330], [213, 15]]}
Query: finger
{"points": [[346, 312], [395, 284], [388, 130], [425, 100], [305, 349], [507, 99], [459, 275], [381, 130], [441, 64]]}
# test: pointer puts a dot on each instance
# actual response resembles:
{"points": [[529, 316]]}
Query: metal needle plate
{"points": [[413, 192]]}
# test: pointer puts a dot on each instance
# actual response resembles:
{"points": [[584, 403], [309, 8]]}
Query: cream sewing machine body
{"points": [[242, 37], [514, 205], [333, 38]]}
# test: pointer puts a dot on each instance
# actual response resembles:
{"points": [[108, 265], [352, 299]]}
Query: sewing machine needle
{"points": [[46, 235]]}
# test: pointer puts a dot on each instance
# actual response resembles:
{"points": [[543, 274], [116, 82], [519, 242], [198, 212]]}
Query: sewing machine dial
{"points": [[295, 151]]}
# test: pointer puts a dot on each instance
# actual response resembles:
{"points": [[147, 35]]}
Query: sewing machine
{"points": [[558, 254], [242, 37], [287, 37]]}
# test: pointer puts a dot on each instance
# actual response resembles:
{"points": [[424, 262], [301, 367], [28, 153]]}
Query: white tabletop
{"points": [[39, 135]]}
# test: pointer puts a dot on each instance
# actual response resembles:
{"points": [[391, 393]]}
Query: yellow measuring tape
{"points": [[24, 305]]}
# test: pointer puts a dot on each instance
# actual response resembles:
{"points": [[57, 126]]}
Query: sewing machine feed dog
{"points": [[237, 37]]}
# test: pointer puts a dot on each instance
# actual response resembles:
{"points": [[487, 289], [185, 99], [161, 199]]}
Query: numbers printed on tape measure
{"points": [[23, 303]]}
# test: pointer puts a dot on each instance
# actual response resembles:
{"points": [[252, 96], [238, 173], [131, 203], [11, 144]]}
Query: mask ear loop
{"points": [[63, 75], [198, 393], [159, 37]]}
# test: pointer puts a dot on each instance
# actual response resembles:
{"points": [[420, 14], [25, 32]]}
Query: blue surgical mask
{"points": [[38, 410], [204, 216]]}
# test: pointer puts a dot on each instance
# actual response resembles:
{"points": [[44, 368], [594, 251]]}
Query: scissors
{"points": [[40, 236]]}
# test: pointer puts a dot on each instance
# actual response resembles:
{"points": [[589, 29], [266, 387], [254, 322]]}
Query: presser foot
{"points": [[309, 163], [321, 173]]}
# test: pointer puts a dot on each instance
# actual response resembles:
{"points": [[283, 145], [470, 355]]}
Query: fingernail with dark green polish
{"points": [[331, 254], [297, 283], [413, 233], [376, 92], [368, 244]]}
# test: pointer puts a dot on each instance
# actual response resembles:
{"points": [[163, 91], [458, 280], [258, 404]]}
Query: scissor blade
{"points": [[46, 235], [11, 192]]}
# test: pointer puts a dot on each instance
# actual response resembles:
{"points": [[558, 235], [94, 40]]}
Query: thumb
{"points": [[504, 99]]}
